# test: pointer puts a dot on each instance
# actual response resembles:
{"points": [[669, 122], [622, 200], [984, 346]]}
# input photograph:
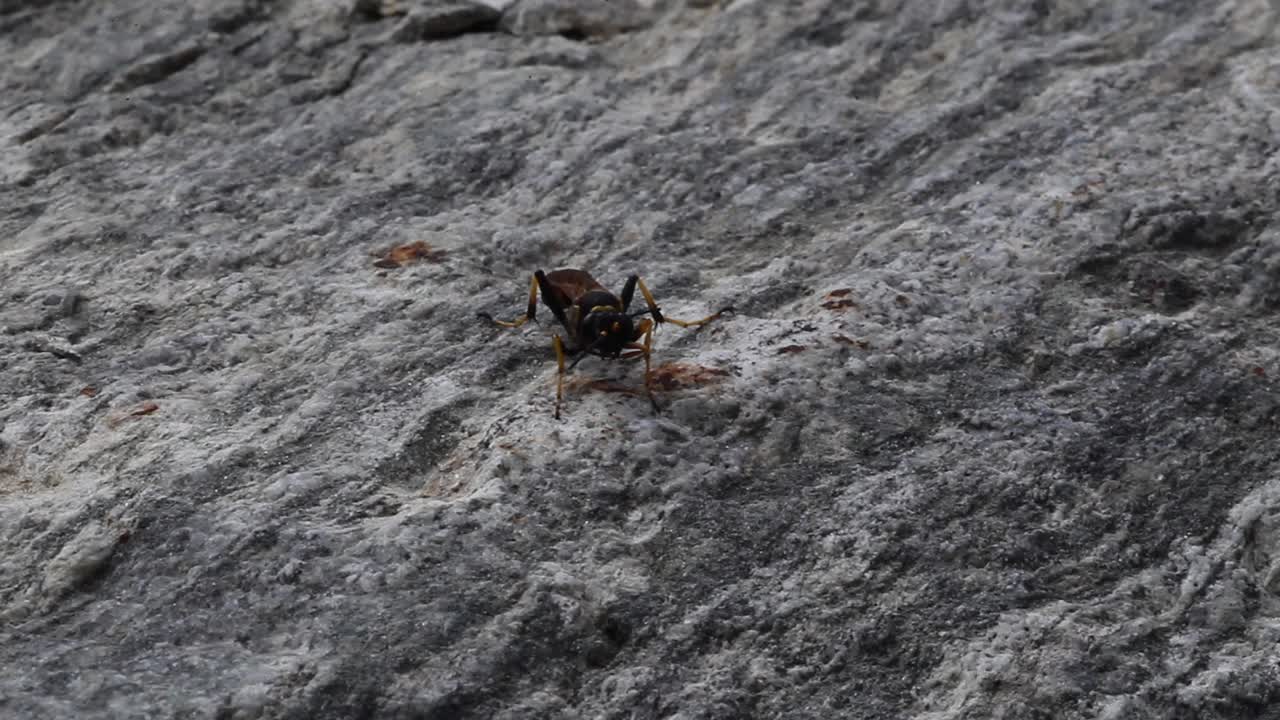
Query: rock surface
{"points": [[991, 434]]}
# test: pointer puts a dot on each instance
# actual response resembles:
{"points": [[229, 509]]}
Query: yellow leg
{"points": [[529, 312], [643, 328], [648, 381], [645, 349], [653, 306], [648, 297], [559, 345], [694, 323]]}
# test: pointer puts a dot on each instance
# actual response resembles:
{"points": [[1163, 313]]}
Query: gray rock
{"points": [[431, 19], [992, 432], [580, 19]]}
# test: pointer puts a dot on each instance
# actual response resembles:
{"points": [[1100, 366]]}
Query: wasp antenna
{"points": [[589, 350]]}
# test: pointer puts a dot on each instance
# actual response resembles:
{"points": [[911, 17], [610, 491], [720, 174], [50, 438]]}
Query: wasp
{"points": [[596, 321]]}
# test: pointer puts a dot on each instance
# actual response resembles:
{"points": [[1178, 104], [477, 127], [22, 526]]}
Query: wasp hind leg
{"points": [[629, 289], [530, 312]]}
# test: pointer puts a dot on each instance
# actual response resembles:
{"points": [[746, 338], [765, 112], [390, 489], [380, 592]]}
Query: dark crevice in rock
{"points": [[829, 29], [367, 11], [332, 85], [10, 7], [1175, 255], [1211, 233], [575, 34], [578, 21], [233, 19], [45, 126], [444, 23], [156, 68], [419, 457]]}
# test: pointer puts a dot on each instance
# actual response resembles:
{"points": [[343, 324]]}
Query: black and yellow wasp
{"points": [[597, 321]]}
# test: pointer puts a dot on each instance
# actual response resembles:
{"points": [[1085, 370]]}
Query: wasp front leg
{"points": [[529, 313], [697, 323], [645, 329], [629, 289]]}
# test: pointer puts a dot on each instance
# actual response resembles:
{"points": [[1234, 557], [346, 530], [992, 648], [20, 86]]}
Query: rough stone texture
{"points": [[993, 432]]}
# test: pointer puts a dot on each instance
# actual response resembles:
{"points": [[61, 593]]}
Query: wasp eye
{"points": [[617, 327]]}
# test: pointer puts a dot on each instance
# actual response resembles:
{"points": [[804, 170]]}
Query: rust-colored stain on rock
{"points": [[402, 255], [672, 376], [838, 299]]}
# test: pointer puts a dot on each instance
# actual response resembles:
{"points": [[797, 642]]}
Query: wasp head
{"points": [[606, 332]]}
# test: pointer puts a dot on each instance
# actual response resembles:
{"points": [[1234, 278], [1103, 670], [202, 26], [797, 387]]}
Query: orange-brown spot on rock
{"points": [[846, 340], [790, 349], [145, 409], [402, 255], [677, 375], [838, 299], [673, 376], [608, 386], [1085, 188], [88, 391]]}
